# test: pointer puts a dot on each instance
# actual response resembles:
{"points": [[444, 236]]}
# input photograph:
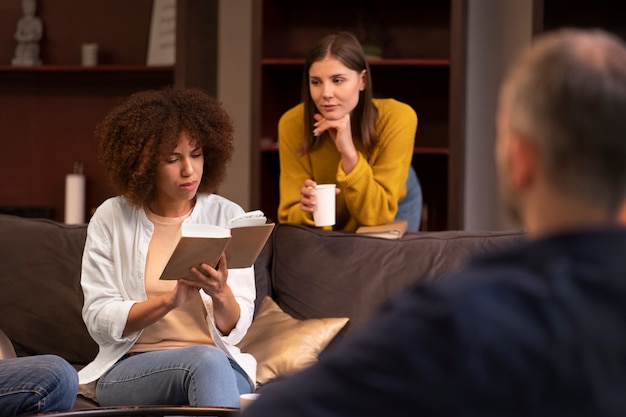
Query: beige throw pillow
{"points": [[283, 344]]}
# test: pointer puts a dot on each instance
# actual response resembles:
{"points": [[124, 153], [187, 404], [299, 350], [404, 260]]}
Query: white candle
{"points": [[75, 196]]}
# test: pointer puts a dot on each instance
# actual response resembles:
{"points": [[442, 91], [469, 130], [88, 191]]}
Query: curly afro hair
{"points": [[138, 134]]}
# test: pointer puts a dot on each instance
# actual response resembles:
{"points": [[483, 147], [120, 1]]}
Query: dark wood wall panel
{"points": [[422, 64], [120, 27], [47, 120], [48, 114]]}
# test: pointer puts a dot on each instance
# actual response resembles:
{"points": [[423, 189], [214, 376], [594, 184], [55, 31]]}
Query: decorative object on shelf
{"points": [[372, 35], [89, 54], [28, 35], [75, 196], [162, 43], [373, 51]]}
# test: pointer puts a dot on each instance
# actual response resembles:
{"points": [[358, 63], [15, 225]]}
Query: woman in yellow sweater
{"points": [[340, 134]]}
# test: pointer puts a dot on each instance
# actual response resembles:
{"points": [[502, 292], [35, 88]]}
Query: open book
{"points": [[392, 230], [243, 239]]}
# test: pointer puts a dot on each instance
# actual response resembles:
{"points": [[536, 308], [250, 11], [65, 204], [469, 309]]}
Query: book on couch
{"points": [[243, 239], [392, 230]]}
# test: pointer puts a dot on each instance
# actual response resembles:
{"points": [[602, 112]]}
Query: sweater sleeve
{"points": [[295, 168], [373, 189]]}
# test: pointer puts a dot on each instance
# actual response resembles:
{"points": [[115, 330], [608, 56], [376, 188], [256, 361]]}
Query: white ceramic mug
{"points": [[324, 213], [247, 399]]}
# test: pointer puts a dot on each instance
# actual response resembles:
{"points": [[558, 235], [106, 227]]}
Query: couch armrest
{"points": [[6, 347]]}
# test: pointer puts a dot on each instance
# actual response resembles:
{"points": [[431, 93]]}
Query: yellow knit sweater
{"points": [[371, 192]]}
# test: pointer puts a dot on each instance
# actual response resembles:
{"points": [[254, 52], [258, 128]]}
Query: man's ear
{"points": [[523, 162]]}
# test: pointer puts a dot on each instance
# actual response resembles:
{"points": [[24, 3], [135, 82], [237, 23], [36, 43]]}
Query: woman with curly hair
{"points": [[164, 342]]}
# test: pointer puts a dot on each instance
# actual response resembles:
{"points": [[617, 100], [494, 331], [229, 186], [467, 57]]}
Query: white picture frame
{"points": [[162, 40]]}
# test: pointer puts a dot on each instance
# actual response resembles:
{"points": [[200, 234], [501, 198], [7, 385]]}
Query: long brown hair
{"points": [[345, 47]]}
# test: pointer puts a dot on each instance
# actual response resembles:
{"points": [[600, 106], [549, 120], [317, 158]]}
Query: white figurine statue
{"points": [[28, 35]]}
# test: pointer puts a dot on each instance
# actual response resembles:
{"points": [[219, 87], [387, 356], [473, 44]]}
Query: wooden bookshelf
{"points": [[605, 14], [48, 113], [422, 53]]}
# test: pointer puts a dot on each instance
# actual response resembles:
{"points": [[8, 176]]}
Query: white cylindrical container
{"points": [[89, 54], [75, 197], [324, 214]]}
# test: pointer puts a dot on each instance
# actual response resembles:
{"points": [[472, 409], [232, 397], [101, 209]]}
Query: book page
{"points": [[251, 218], [203, 230]]}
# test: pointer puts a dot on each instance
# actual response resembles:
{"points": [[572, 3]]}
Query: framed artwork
{"points": [[162, 41]]}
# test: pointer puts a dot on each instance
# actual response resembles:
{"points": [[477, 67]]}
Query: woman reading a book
{"points": [[341, 135], [164, 341]]}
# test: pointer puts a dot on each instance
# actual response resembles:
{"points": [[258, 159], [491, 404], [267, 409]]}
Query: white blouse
{"points": [[112, 279]]}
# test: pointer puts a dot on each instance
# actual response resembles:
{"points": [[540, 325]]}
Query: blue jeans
{"points": [[36, 384], [410, 207], [199, 375]]}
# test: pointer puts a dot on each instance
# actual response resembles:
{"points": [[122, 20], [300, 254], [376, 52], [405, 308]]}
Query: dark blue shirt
{"points": [[539, 330]]}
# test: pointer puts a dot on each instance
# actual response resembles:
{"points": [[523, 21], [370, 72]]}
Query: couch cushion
{"points": [[318, 273], [282, 344], [6, 347], [40, 294]]}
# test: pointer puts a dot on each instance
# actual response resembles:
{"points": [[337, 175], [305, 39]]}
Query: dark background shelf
{"points": [[414, 68], [48, 113]]}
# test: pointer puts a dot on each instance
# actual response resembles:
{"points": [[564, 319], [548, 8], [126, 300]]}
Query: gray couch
{"points": [[309, 273]]}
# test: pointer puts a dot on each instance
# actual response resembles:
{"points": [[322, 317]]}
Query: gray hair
{"points": [[567, 94]]}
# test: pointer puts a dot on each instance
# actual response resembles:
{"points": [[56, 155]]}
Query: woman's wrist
{"points": [[225, 310], [168, 302], [349, 161], [223, 297]]}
